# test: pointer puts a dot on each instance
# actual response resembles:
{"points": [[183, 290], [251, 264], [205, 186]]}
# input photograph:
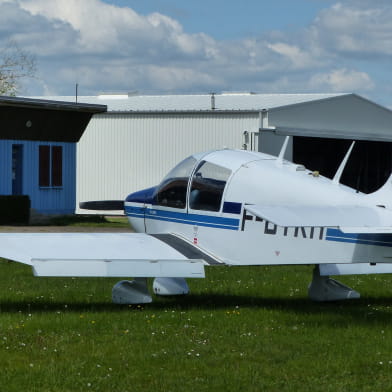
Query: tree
{"points": [[15, 64]]}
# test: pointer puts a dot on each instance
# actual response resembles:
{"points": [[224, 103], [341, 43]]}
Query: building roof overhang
{"points": [[44, 120]]}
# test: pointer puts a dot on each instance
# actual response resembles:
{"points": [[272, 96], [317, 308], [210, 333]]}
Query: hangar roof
{"points": [[201, 102], [347, 116]]}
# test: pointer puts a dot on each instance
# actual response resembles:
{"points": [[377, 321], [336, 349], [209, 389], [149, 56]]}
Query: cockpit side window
{"points": [[172, 190], [208, 184]]}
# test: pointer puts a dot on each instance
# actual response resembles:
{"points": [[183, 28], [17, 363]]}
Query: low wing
{"points": [[349, 219], [98, 254]]}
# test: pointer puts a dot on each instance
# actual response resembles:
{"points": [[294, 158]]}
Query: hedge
{"points": [[14, 209]]}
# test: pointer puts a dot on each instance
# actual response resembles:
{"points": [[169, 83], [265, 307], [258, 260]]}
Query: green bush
{"points": [[14, 209]]}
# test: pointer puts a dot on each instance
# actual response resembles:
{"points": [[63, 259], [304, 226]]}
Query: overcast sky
{"points": [[202, 46]]}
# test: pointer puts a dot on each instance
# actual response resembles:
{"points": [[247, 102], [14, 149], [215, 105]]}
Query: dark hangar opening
{"points": [[367, 169]]}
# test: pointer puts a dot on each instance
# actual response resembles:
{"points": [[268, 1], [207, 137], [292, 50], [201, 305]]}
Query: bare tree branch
{"points": [[15, 65]]}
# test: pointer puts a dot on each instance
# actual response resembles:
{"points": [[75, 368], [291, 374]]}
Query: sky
{"points": [[203, 46]]}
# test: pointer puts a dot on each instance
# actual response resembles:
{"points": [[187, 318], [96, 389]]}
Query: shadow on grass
{"points": [[366, 310], [361, 310]]}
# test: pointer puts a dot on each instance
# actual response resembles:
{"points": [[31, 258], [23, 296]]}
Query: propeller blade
{"points": [[103, 205]]}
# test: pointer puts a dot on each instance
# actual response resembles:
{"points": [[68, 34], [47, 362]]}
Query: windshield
{"points": [[172, 190]]}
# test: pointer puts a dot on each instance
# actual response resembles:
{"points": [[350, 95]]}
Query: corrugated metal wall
{"points": [[121, 153], [45, 200]]}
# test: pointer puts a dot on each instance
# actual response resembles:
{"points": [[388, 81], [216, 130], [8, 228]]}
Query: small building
{"points": [[140, 138], [38, 150]]}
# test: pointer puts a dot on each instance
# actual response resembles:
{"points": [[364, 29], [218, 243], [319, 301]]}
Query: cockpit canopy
{"points": [[202, 180]]}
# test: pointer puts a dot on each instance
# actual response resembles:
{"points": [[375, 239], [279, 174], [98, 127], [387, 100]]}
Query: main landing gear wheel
{"points": [[131, 292], [136, 291], [323, 288], [170, 286]]}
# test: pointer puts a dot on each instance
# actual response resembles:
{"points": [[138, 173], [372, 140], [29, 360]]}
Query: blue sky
{"points": [[177, 46], [225, 19]]}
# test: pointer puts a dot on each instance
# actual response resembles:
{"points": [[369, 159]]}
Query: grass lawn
{"points": [[89, 221], [240, 329]]}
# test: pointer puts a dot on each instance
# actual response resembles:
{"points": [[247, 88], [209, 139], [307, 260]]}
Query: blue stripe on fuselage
{"points": [[364, 239], [183, 217]]}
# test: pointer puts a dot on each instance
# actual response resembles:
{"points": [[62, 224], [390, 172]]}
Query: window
{"points": [[50, 166], [207, 187], [172, 190]]}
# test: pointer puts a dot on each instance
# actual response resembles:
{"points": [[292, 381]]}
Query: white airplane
{"points": [[225, 207]]}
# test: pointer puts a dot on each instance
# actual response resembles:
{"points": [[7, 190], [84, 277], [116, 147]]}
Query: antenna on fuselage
{"points": [[279, 161], [339, 172]]}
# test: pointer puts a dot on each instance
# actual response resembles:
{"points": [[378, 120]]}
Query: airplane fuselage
{"points": [[206, 200]]}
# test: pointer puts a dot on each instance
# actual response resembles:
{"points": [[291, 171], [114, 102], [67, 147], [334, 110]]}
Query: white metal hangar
{"points": [[141, 138]]}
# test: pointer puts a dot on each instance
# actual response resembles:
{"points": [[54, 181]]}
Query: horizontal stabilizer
{"points": [[102, 205], [98, 254], [357, 218], [355, 269]]}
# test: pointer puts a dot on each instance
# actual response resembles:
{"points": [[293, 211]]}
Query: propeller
{"points": [[104, 205]]}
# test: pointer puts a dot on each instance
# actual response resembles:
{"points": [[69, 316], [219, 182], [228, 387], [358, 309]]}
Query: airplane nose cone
{"points": [[143, 196]]}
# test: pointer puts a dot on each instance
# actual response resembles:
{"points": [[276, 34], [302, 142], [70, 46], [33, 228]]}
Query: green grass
{"points": [[246, 328]]}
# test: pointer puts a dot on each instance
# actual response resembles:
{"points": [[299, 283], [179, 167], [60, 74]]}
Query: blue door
{"points": [[17, 169]]}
